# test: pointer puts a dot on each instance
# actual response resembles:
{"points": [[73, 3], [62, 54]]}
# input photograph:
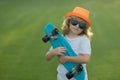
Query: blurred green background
{"points": [[21, 29]]}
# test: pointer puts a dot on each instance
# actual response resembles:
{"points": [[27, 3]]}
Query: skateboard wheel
{"points": [[55, 32], [45, 38], [79, 68], [69, 75]]}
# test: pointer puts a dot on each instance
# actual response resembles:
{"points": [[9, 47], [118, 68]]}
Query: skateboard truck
{"points": [[52, 36], [77, 69]]}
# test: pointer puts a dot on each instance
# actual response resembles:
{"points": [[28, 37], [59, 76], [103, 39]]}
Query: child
{"points": [[76, 29]]}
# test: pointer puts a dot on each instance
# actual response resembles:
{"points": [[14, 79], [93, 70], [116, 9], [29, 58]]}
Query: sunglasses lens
{"points": [[77, 23], [74, 22]]}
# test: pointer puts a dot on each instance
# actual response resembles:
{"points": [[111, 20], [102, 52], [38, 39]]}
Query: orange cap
{"points": [[81, 13]]}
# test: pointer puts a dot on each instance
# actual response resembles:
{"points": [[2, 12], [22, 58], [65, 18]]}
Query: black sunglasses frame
{"points": [[77, 23]]}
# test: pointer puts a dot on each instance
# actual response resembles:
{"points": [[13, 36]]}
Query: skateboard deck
{"points": [[57, 40]]}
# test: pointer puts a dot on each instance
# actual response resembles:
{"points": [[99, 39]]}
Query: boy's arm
{"points": [[49, 55], [83, 58], [57, 51]]}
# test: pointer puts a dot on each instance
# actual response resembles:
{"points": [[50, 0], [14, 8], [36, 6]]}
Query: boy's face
{"points": [[76, 25], [75, 30]]}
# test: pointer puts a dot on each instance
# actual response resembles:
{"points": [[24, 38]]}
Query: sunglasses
{"points": [[77, 23]]}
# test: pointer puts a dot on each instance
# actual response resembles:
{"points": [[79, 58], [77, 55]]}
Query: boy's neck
{"points": [[71, 35]]}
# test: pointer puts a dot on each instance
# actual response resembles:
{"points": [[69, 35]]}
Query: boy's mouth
{"points": [[76, 29]]}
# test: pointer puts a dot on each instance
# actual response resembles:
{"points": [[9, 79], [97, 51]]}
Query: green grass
{"points": [[21, 28]]}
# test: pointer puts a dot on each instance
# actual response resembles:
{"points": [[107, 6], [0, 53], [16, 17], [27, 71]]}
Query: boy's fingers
{"points": [[62, 48], [63, 52], [60, 54]]}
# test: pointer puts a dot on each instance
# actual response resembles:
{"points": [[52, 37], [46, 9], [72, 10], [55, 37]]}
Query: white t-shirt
{"points": [[80, 45]]}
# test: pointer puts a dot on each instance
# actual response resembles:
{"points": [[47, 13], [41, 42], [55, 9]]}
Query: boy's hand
{"points": [[58, 51], [63, 59]]}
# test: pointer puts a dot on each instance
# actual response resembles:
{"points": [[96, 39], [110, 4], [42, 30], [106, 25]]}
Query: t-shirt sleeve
{"points": [[85, 47]]}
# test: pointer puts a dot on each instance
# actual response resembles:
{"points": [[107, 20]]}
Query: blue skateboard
{"points": [[57, 40]]}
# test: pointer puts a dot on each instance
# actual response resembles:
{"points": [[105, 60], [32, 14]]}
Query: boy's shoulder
{"points": [[83, 36]]}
